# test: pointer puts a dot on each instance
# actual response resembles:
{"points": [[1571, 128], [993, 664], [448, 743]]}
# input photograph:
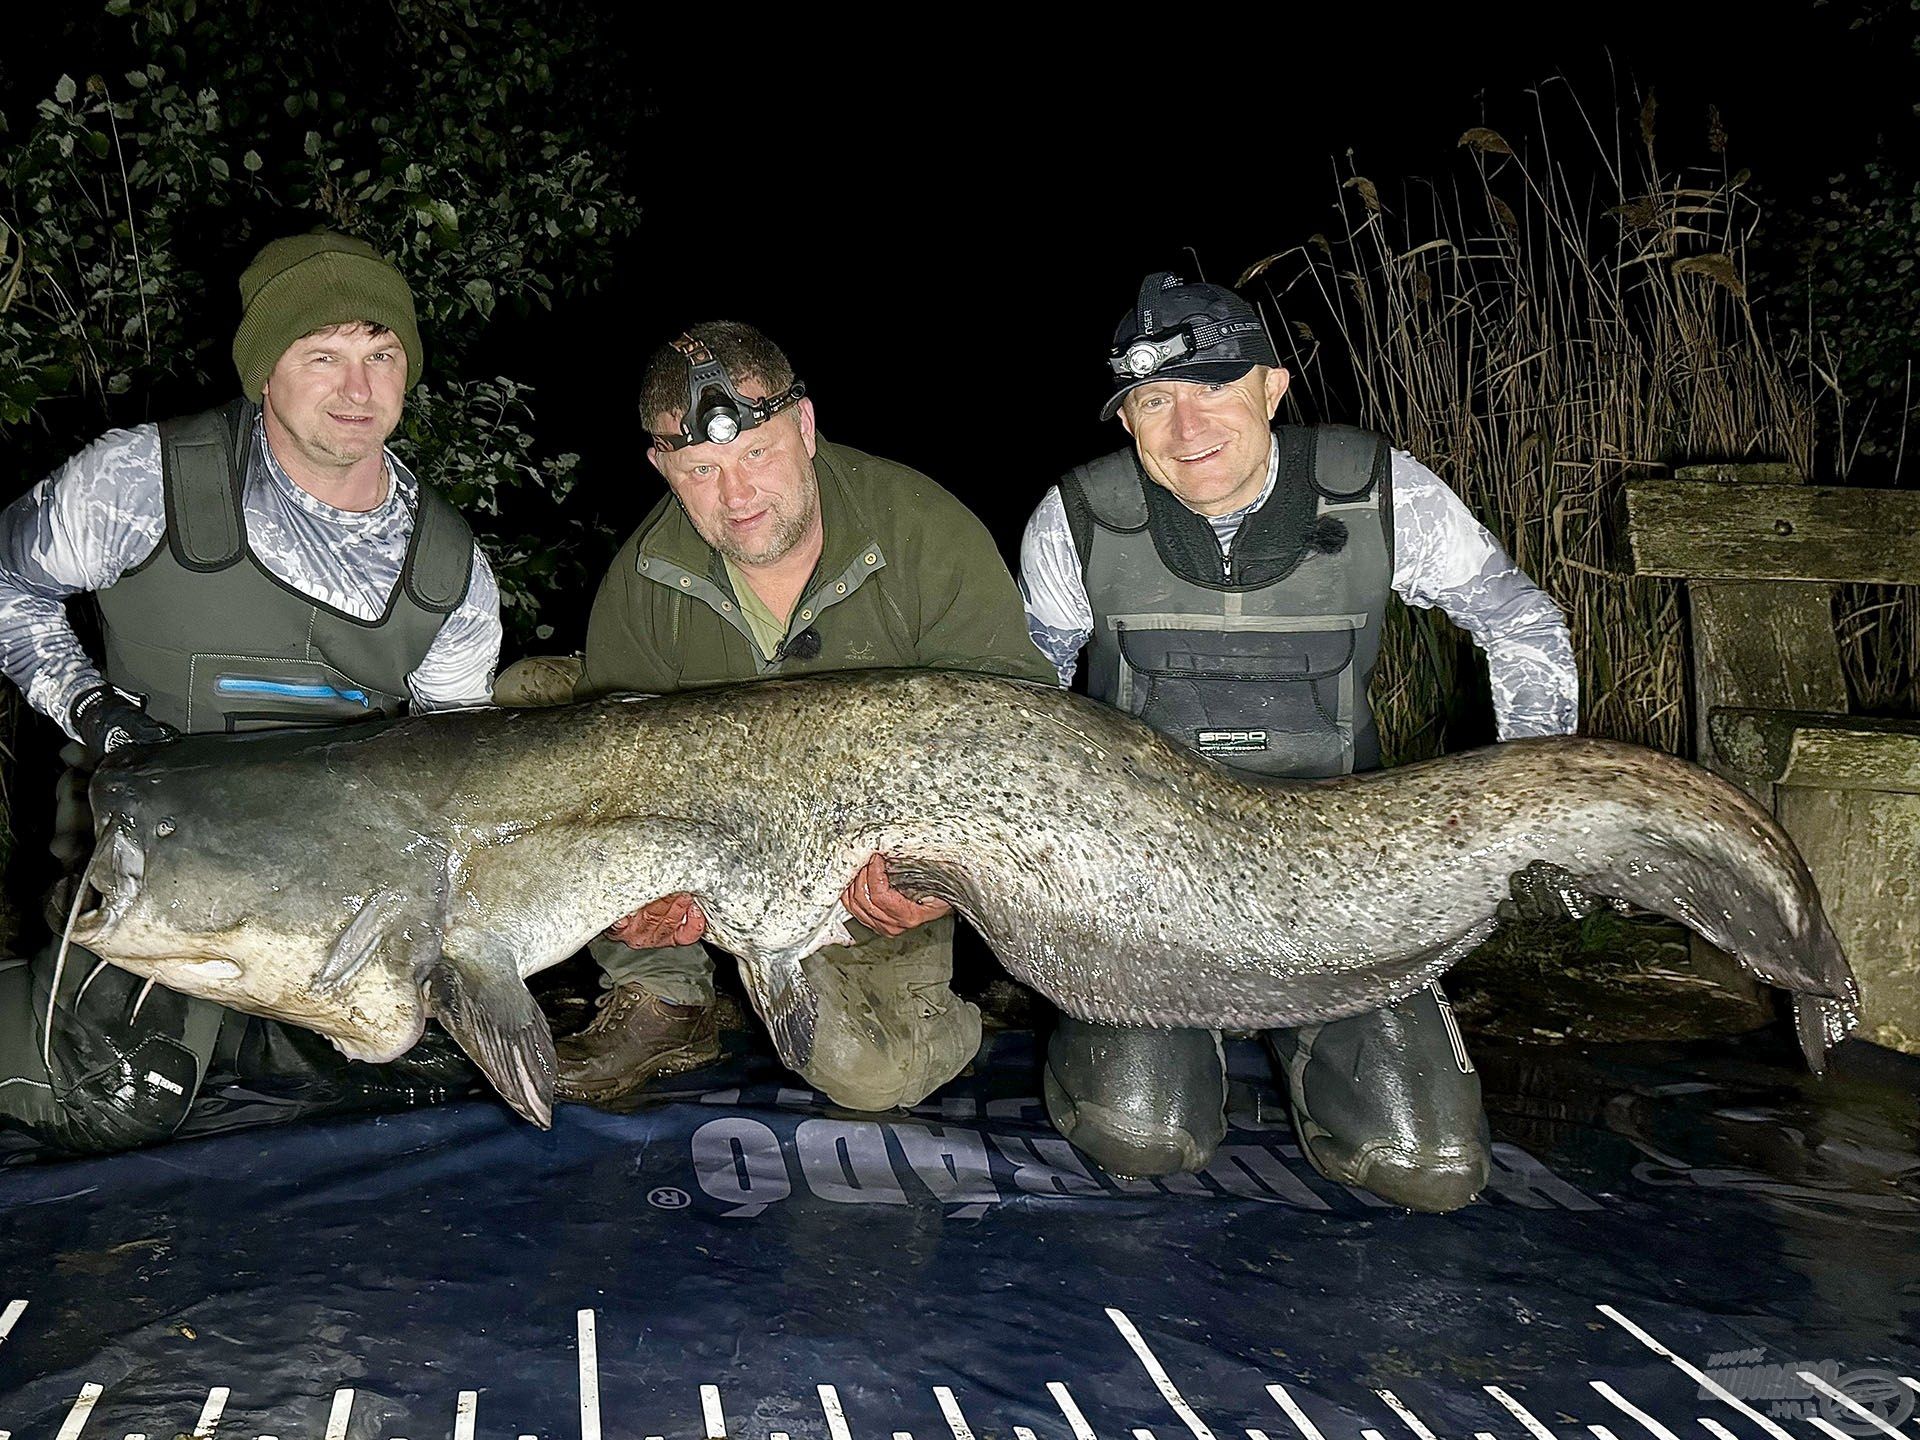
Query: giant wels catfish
{"points": [[359, 881]]}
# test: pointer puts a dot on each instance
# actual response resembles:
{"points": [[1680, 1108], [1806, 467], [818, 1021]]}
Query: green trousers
{"points": [[890, 1030]]}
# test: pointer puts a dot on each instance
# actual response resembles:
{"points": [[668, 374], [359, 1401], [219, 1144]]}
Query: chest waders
{"points": [[1260, 659], [214, 642]]}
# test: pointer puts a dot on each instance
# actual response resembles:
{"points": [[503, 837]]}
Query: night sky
{"points": [[946, 232]]}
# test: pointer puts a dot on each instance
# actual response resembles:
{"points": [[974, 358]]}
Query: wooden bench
{"points": [[1761, 552]]}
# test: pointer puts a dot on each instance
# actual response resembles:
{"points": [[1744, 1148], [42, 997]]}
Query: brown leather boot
{"points": [[634, 1037]]}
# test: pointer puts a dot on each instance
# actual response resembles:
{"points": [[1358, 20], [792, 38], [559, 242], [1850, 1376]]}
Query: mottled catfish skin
{"points": [[358, 881]]}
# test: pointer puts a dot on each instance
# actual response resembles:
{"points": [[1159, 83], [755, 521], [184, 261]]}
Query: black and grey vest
{"points": [[1261, 660], [214, 641]]}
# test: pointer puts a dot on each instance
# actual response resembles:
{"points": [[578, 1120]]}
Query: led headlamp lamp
{"points": [[1148, 354], [716, 412]]}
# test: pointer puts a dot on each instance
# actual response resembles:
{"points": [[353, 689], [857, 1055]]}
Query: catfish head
{"points": [[226, 877], [273, 876]]}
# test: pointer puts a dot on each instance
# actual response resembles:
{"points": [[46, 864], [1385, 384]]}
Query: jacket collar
{"points": [[848, 541]]}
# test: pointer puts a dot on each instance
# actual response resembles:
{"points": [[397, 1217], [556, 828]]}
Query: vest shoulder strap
{"points": [[1106, 493], [202, 459], [440, 567], [1349, 464]]}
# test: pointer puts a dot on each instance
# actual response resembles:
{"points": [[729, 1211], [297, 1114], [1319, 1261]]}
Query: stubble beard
{"points": [[341, 457], [319, 448], [788, 531], [1212, 497]]}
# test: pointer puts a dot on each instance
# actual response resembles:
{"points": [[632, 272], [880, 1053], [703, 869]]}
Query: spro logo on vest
{"points": [[1231, 742]]}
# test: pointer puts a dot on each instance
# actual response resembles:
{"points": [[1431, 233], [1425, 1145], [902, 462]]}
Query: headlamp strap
{"points": [[1183, 342], [1210, 332], [734, 414]]}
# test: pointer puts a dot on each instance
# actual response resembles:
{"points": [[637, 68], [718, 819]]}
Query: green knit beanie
{"points": [[304, 283]]}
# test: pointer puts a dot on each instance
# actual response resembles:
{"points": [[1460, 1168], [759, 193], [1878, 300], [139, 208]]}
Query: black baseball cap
{"points": [[1197, 332]]}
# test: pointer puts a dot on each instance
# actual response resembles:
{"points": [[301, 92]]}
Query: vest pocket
{"points": [[1274, 695], [249, 693]]}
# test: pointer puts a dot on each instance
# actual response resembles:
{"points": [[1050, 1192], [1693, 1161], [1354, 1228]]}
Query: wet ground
{"points": [[1685, 1238], [1608, 977]]}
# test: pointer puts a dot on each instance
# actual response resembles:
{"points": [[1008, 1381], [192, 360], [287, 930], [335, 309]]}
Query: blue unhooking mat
{"points": [[1691, 1241]]}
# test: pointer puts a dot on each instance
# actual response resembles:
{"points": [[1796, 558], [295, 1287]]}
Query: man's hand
{"points": [[872, 900], [670, 920], [106, 721]]}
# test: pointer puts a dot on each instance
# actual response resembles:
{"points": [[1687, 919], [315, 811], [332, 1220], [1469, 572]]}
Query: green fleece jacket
{"points": [[908, 577]]}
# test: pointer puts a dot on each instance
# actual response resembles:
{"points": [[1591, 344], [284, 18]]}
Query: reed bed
{"points": [[1541, 327]]}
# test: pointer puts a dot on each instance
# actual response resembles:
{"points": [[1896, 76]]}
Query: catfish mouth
{"points": [[110, 883], [97, 912]]}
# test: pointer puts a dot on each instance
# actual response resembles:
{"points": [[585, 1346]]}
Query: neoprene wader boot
{"points": [[1137, 1102], [1389, 1101], [121, 1067]]}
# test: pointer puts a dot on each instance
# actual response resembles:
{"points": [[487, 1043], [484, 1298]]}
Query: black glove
{"points": [[106, 721]]}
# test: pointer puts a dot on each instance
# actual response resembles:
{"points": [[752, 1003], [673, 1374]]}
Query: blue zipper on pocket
{"points": [[288, 689]]}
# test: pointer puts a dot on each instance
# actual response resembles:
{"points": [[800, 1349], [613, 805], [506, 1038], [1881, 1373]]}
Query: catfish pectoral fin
{"points": [[488, 1009], [362, 938], [788, 1004]]}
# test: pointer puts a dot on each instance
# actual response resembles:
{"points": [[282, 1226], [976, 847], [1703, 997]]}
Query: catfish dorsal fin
{"points": [[488, 1009]]}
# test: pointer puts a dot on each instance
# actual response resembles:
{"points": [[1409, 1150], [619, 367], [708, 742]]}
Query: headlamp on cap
{"points": [[716, 412], [1197, 334], [1147, 354]]}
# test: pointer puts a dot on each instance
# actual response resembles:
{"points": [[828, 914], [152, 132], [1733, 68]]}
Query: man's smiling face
{"points": [[336, 394], [1208, 444]]}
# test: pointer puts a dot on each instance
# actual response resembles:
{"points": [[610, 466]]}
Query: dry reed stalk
{"points": [[1539, 333]]}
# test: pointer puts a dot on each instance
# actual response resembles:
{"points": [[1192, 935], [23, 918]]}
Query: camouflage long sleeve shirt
{"points": [[103, 512], [1442, 557]]}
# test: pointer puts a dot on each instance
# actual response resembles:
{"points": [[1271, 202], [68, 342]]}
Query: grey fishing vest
{"points": [[214, 641], [1262, 660]]}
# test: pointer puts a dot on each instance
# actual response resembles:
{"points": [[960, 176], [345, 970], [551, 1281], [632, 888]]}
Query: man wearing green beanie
{"points": [[306, 283], [265, 563]]}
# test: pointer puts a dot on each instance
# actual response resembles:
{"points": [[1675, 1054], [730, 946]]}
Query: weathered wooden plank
{"points": [[1742, 472], [1863, 847], [1834, 759], [1832, 752], [1845, 535], [1761, 647]]}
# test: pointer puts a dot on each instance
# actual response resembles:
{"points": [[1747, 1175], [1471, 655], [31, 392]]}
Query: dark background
{"points": [[943, 231], [941, 213]]}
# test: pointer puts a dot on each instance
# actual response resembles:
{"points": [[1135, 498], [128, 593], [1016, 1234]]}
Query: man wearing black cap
{"points": [[262, 564], [1229, 579]]}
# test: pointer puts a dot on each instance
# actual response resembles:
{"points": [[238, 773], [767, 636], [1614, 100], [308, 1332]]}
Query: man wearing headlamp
{"points": [[1230, 580], [780, 553]]}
